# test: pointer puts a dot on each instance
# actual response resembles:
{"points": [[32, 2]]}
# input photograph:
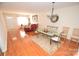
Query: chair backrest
{"points": [[75, 34], [52, 29], [34, 27], [64, 32]]}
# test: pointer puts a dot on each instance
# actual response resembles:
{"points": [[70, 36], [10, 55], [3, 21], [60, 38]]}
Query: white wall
{"points": [[3, 33], [68, 16]]}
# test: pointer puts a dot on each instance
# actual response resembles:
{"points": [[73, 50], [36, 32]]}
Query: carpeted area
{"points": [[44, 42]]}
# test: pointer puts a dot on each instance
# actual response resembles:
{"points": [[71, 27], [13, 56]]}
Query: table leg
{"points": [[50, 41]]}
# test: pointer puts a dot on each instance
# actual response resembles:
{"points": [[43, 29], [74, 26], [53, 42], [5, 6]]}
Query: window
{"points": [[22, 20]]}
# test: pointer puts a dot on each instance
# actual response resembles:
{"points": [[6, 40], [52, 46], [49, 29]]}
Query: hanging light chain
{"points": [[52, 8]]}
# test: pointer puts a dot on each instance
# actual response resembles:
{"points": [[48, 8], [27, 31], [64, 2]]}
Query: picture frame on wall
{"points": [[35, 18]]}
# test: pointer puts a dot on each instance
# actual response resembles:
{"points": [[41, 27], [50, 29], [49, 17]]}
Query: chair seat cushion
{"points": [[55, 38]]}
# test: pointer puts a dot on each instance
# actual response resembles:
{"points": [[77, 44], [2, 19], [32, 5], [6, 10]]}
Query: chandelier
{"points": [[53, 17]]}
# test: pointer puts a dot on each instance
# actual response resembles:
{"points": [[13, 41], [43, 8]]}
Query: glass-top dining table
{"points": [[53, 36]]}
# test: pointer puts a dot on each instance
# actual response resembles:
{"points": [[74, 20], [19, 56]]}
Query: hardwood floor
{"points": [[65, 50], [23, 47], [18, 46]]}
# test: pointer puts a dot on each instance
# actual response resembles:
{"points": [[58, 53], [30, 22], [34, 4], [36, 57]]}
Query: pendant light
{"points": [[53, 17]]}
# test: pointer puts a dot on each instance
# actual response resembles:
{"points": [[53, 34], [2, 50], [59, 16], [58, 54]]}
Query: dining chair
{"points": [[64, 33], [74, 42]]}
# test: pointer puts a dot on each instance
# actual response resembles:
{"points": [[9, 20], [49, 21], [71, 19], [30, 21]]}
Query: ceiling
{"points": [[34, 6]]}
